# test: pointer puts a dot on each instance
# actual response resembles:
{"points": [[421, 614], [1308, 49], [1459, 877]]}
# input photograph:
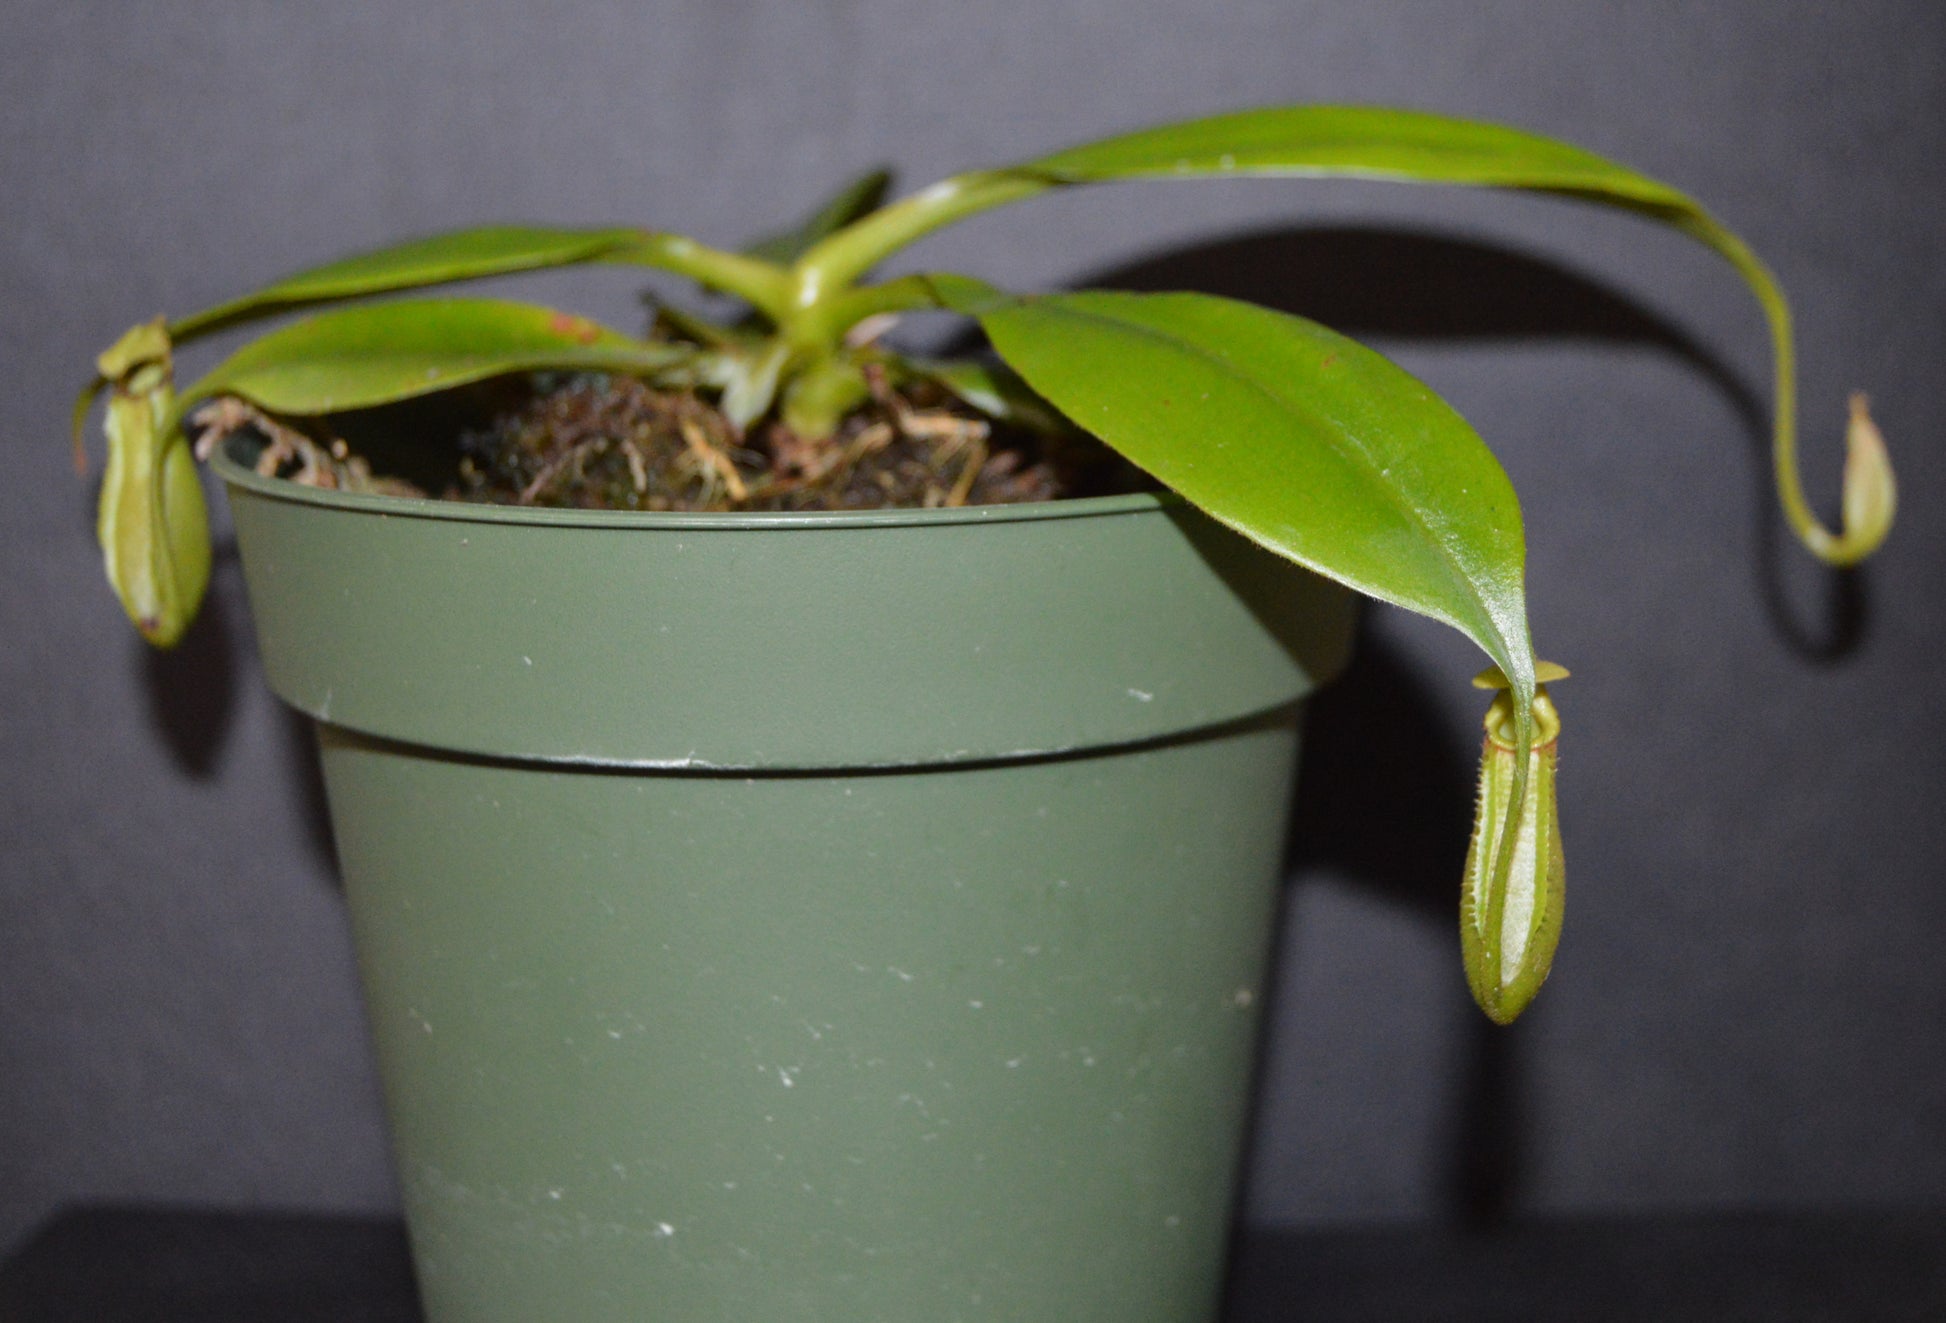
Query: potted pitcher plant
{"points": [[811, 812]]}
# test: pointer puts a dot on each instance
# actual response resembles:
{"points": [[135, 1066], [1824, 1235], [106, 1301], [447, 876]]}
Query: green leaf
{"points": [[351, 358], [1407, 145], [489, 250], [860, 197], [1362, 141], [1301, 440]]}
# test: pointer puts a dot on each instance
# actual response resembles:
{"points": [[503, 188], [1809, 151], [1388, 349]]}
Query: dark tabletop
{"points": [[131, 1265]]}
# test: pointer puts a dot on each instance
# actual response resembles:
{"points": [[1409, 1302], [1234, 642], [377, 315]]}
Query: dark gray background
{"points": [[1748, 1007]]}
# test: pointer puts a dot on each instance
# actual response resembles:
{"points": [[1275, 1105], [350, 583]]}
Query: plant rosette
{"points": [[1301, 440]]}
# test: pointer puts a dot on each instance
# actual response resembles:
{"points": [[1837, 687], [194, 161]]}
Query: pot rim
{"points": [[239, 474]]}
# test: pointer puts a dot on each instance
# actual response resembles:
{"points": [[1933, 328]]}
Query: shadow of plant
{"points": [[192, 688], [193, 694]]}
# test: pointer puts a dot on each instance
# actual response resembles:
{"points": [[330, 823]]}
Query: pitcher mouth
{"points": [[231, 463]]}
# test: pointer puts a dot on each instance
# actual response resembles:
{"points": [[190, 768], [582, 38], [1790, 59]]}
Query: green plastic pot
{"points": [[856, 917]]}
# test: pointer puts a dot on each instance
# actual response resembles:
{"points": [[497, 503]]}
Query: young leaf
{"points": [[1300, 439], [351, 358], [860, 197]]}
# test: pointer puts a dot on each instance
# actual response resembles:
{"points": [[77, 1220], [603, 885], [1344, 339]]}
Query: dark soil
{"points": [[614, 443]]}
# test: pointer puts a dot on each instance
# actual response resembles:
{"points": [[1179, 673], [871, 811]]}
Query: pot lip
{"points": [[239, 475]]}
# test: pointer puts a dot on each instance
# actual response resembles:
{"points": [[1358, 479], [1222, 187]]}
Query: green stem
{"points": [[765, 286], [1849, 546], [816, 329], [841, 259]]}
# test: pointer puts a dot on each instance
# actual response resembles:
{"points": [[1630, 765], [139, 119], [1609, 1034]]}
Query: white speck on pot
{"points": [[663, 1230], [1141, 696], [1244, 997]]}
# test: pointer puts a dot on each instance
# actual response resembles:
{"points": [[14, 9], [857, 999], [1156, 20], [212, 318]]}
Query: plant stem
{"points": [[765, 286], [857, 248], [818, 327], [1849, 546]]}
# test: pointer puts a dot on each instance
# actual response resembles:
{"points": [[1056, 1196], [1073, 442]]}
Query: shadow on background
{"points": [[193, 696], [1366, 281], [192, 687], [300, 741], [1385, 799]]}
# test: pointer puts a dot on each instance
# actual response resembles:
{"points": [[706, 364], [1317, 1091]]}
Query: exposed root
{"points": [[288, 453]]}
